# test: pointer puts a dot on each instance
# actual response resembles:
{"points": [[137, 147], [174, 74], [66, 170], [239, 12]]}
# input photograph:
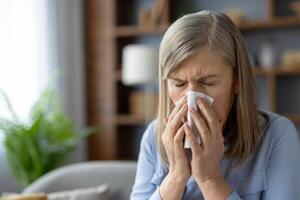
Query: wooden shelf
{"points": [[276, 71], [130, 120], [293, 117], [103, 54], [257, 71], [133, 30], [278, 22]]}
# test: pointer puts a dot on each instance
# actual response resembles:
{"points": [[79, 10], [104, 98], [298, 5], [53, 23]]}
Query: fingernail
{"points": [[200, 102], [185, 125], [186, 128], [192, 110]]}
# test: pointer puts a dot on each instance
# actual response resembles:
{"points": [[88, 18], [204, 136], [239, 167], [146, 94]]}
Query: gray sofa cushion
{"points": [[119, 175]]}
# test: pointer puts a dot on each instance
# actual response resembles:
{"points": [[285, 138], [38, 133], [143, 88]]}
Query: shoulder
{"points": [[270, 163], [148, 141], [277, 126], [150, 132], [149, 147], [279, 135]]}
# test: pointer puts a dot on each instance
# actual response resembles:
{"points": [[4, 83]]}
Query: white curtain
{"points": [[41, 43], [66, 22]]}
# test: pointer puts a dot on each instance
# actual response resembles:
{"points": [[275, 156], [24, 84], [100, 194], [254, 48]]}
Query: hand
{"points": [[172, 138], [206, 157]]}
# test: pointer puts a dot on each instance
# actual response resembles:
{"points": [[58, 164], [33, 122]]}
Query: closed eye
{"points": [[180, 85], [207, 83]]}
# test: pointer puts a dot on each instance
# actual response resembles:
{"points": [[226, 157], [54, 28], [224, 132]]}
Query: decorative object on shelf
{"points": [[295, 7], [137, 105], [291, 59], [140, 68], [154, 16], [267, 57], [140, 64], [144, 17], [235, 14], [36, 147]]}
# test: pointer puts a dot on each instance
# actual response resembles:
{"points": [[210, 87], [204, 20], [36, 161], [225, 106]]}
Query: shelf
{"points": [[293, 117], [277, 71], [257, 71], [278, 22], [130, 120], [133, 30]]}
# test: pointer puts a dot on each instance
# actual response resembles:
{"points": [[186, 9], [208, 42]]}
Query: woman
{"points": [[244, 154]]}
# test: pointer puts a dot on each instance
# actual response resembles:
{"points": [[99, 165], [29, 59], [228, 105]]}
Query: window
{"points": [[22, 53]]}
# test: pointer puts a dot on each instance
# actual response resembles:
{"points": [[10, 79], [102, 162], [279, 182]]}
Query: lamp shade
{"points": [[140, 64]]}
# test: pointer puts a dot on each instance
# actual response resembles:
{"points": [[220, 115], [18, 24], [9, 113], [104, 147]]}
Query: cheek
{"points": [[174, 93], [222, 103]]}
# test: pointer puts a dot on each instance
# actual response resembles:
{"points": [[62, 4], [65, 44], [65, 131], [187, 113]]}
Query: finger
{"points": [[201, 126], [184, 119], [166, 121], [209, 114], [175, 123], [195, 147], [178, 106], [179, 150], [178, 139]]}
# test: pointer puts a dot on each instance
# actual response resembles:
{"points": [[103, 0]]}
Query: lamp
{"points": [[140, 64], [140, 68]]}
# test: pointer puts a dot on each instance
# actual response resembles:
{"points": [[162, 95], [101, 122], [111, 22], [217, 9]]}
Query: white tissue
{"points": [[191, 101]]}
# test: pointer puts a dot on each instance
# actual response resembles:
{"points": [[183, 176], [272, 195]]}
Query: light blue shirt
{"points": [[272, 172]]}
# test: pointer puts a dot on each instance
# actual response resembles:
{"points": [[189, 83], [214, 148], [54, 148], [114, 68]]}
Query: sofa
{"points": [[118, 175]]}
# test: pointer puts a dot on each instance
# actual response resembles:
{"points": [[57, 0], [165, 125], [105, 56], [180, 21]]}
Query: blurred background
{"points": [[100, 59]]}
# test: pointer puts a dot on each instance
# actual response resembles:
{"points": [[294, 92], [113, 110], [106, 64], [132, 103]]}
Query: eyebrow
{"points": [[201, 78]]}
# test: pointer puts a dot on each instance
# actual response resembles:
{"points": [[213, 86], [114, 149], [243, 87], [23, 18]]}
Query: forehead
{"points": [[200, 64]]}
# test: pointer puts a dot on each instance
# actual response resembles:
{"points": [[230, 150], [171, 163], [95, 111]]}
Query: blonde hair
{"points": [[214, 31]]}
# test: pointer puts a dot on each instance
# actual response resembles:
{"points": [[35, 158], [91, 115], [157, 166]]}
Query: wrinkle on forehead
{"points": [[195, 73], [199, 66]]}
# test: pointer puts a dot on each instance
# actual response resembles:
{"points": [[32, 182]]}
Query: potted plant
{"points": [[42, 144]]}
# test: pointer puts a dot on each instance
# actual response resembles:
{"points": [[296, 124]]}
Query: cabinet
{"points": [[112, 24]]}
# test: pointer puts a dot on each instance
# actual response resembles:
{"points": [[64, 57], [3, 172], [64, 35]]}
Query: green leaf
{"points": [[8, 105], [43, 144]]}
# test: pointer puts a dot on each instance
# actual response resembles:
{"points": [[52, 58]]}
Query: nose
{"points": [[194, 87]]}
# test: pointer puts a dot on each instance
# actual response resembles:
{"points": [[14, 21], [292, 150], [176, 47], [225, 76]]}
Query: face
{"points": [[205, 72]]}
